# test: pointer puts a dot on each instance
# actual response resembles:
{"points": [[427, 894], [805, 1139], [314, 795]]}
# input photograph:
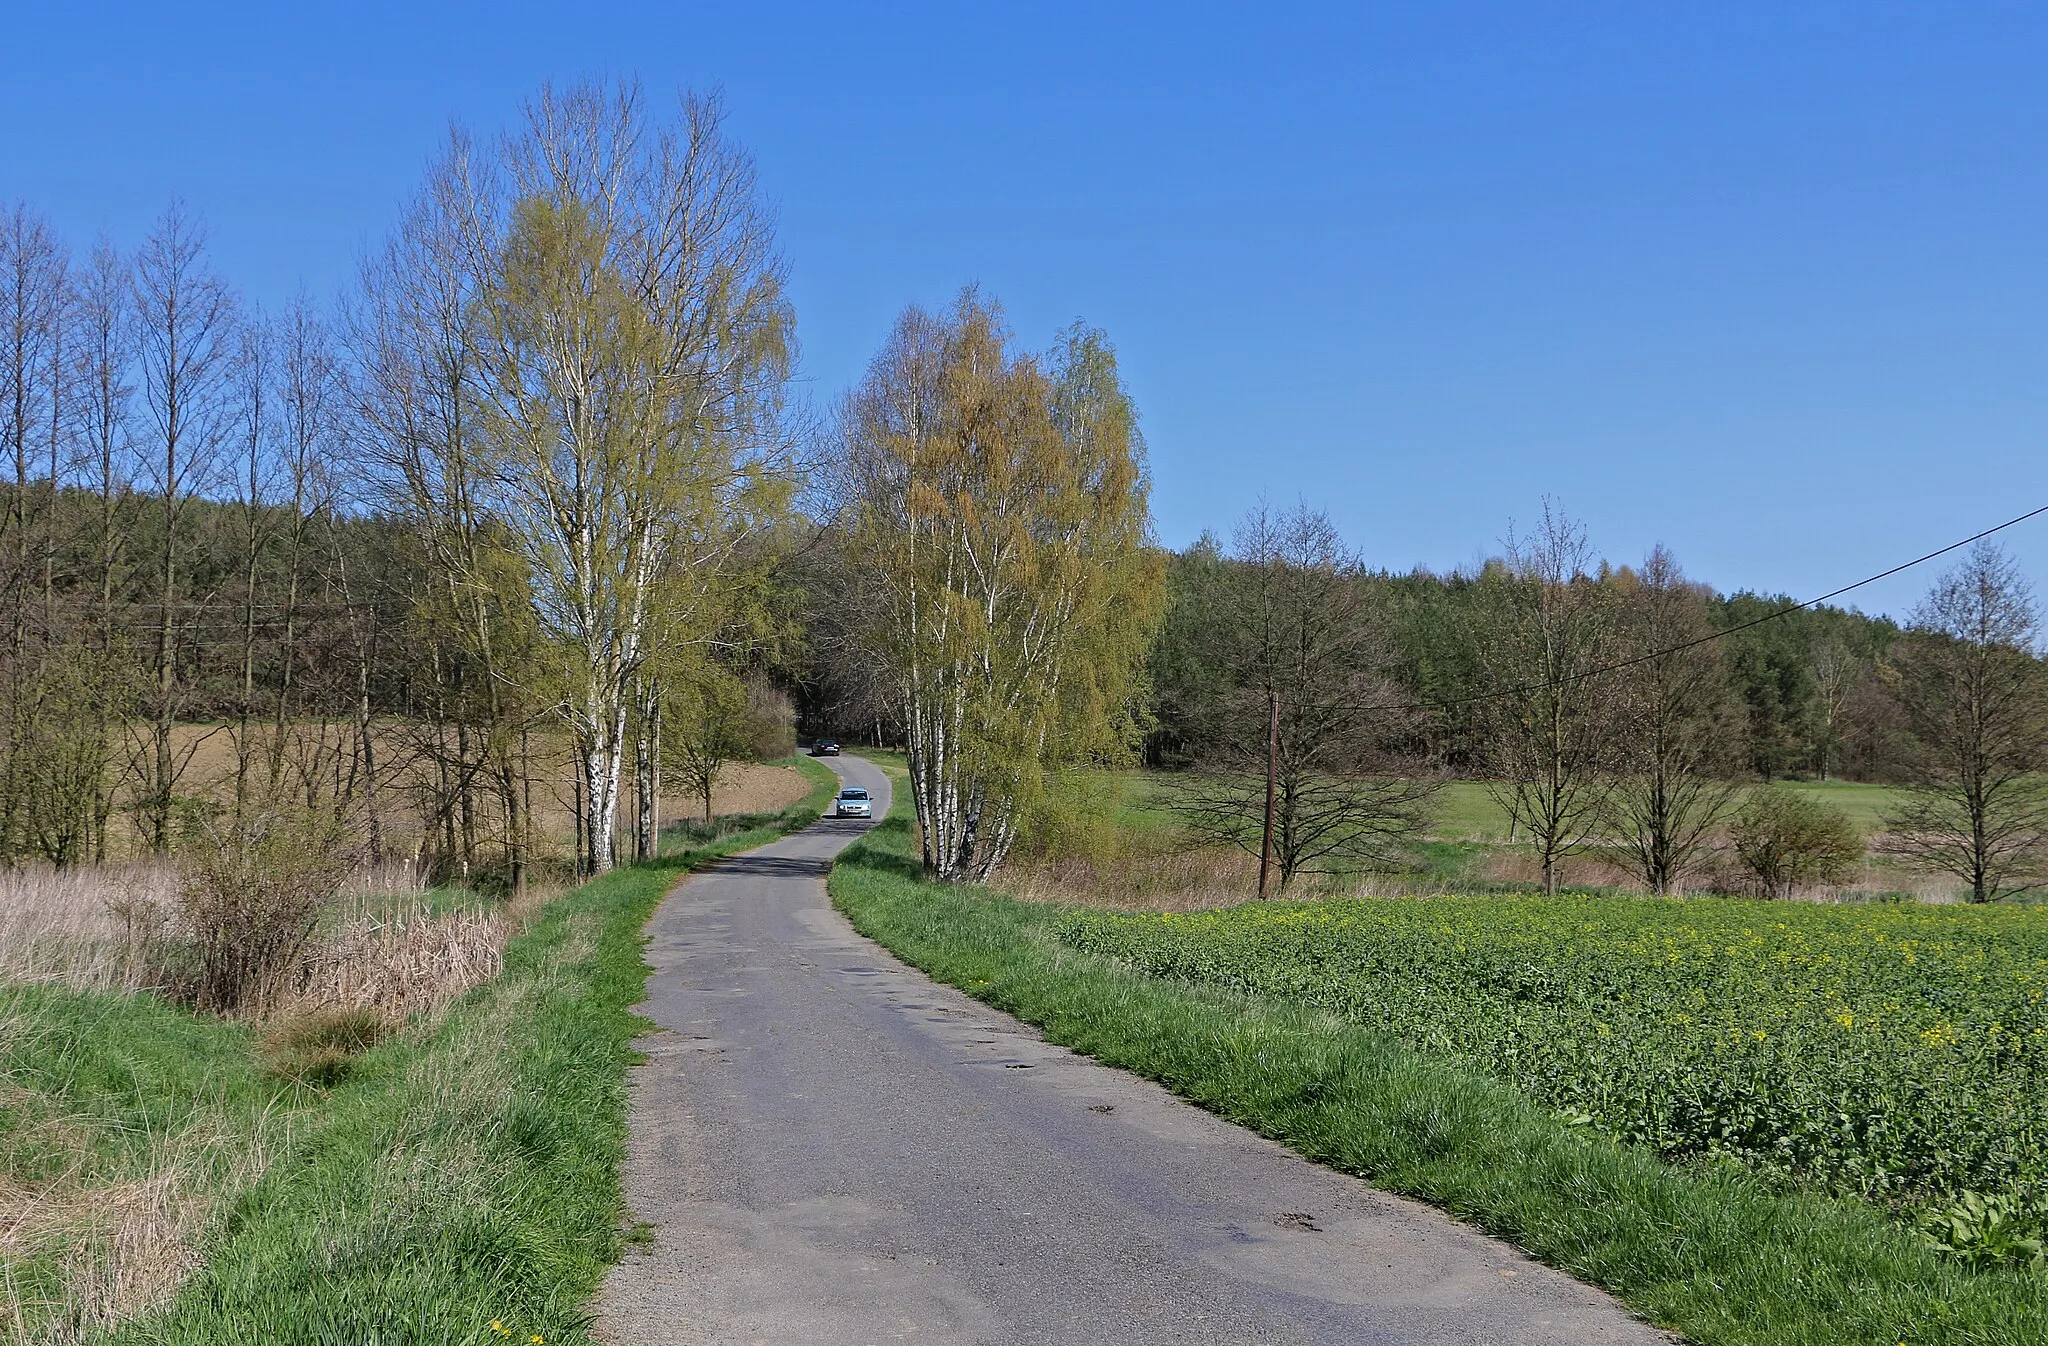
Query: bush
{"points": [[1784, 838], [252, 890], [1075, 819], [770, 723]]}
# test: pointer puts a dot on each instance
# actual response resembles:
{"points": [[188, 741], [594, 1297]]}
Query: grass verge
{"points": [[460, 1185], [1708, 1250]]}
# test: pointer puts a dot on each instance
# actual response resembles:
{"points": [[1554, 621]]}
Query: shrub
{"points": [[1784, 838], [252, 890], [770, 723]]}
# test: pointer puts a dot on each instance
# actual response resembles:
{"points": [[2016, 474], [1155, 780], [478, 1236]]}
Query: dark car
{"points": [[825, 747]]}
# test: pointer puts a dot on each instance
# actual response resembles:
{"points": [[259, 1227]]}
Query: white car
{"points": [[853, 803]]}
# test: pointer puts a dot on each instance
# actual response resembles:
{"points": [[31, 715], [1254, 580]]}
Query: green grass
{"points": [[1465, 808], [1866, 805], [1708, 1249], [461, 1173], [98, 1092]]}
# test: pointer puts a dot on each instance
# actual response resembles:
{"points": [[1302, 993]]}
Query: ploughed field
{"points": [[1897, 1052]]}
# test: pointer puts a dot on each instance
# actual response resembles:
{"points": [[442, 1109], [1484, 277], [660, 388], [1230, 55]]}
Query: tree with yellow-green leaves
{"points": [[595, 346], [996, 508]]}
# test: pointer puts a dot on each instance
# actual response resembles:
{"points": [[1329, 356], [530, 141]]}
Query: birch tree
{"points": [[626, 341], [997, 518]]}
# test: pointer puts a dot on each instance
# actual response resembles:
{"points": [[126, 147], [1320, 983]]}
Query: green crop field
{"points": [[1898, 1052]]}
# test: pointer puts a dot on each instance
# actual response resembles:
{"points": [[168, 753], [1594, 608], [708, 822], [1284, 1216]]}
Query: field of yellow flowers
{"points": [[1898, 1052]]}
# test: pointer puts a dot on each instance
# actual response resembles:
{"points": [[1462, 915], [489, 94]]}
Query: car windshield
{"points": [[853, 794]]}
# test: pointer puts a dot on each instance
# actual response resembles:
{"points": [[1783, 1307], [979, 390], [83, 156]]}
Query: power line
{"points": [[1717, 635]]}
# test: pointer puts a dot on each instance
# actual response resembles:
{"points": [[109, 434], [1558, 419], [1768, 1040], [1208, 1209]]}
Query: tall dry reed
{"points": [[91, 928]]}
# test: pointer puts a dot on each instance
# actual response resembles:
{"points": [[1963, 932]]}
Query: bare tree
{"points": [[185, 328], [1673, 710], [254, 469], [34, 299], [308, 445], [1976, 701], [1307, 654], [105, 350], [1549, 713], [417, 405], [34, 303]]}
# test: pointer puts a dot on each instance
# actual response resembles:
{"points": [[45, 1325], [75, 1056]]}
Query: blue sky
{"points": [[1768, 283]]}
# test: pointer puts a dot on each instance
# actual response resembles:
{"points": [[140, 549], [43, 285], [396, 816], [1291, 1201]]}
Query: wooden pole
{"points": [[1272, 771]]}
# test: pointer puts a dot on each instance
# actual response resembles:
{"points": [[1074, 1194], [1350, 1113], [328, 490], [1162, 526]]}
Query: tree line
{"points": [[1623, 709], [533, 494], [520, 488], [534, 488]]}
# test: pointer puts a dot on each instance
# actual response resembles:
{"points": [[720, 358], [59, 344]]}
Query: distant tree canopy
{"points": [[1807, 696]]}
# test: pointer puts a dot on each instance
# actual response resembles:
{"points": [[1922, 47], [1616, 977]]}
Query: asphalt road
{"points": [[835, 1151]]}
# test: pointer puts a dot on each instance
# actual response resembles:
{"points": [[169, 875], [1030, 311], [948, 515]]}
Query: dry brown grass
{"points": [[91, 929], [745, 787], [1719, 874], [1186, 878], [113, 929], [404, 770], [127, 1247], [399, 965], [123, 1246]]}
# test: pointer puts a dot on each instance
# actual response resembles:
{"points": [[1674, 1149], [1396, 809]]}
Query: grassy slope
{"points": [[101, 1091], [1710, 1252], [461, 1175]]}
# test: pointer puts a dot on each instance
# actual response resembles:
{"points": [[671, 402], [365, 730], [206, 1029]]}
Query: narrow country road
{"points": [[835, 1151]]}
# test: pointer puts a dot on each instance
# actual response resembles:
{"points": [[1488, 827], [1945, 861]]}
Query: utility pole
{"points": [[1272, 771]]}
